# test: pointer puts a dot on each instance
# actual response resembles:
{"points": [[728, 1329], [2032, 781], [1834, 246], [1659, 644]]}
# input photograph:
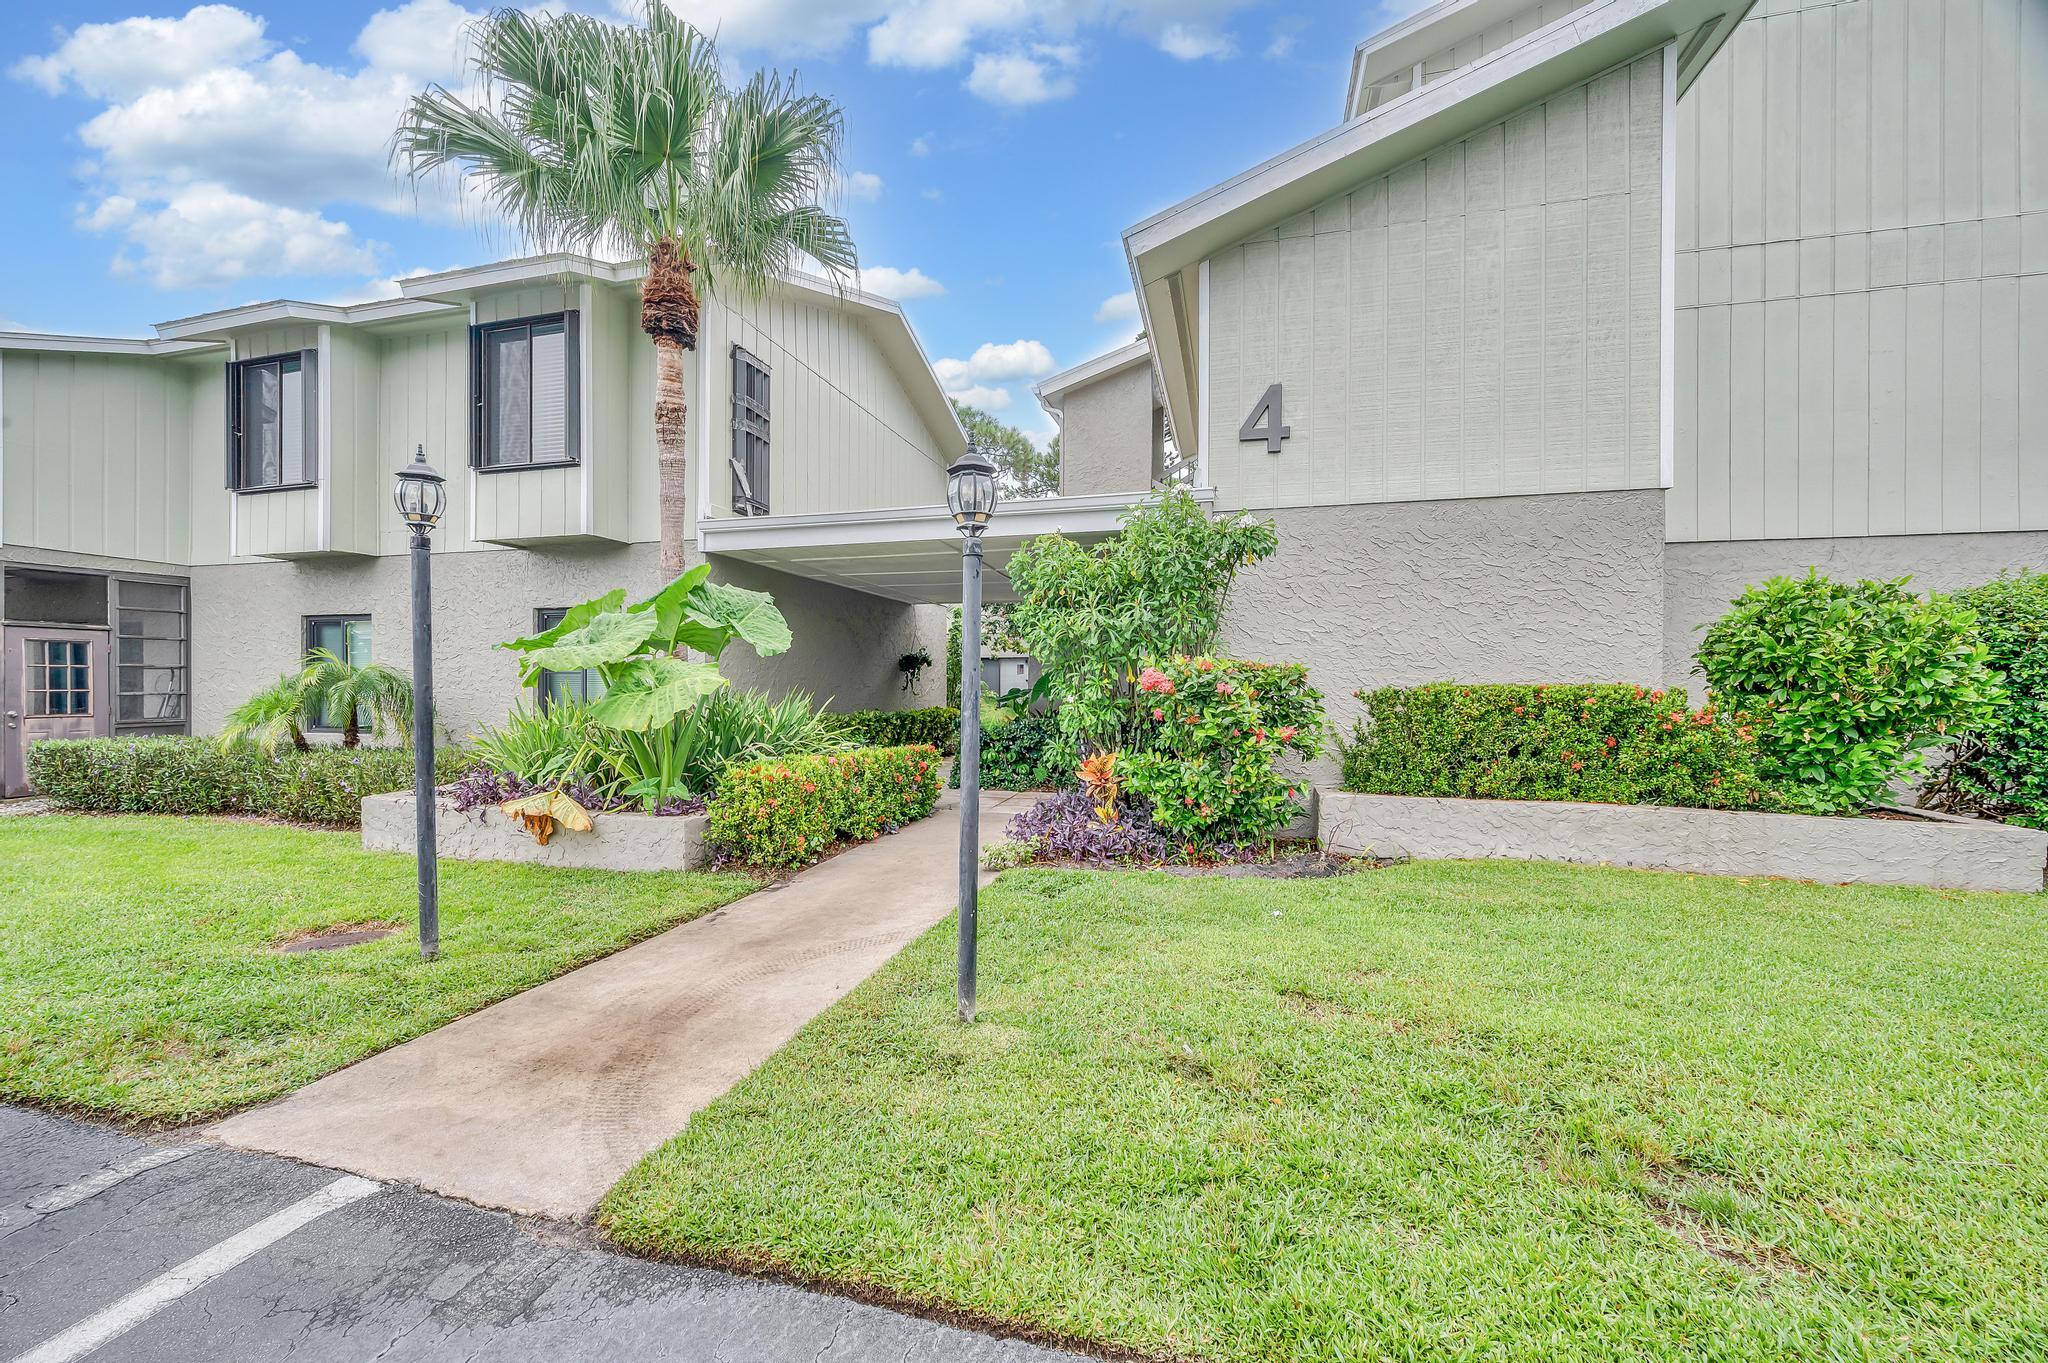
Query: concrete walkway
{"points": [[539, 1103]]}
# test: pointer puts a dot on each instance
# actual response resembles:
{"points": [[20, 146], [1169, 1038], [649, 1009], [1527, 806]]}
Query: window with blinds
{"points": [[273, 422], [749, 435], [524, 386]]}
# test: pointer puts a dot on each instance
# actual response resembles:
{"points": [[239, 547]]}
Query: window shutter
{"points": [[309, 401], [760, 442], [572, 385], [476, 397], [233, 423]]}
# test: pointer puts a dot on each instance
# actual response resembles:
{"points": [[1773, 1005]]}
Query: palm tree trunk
{"points": [[351, 729], [668, 313], [672, 454]]}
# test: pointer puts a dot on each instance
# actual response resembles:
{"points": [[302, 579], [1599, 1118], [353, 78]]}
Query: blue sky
{"points": [[165, 160]]}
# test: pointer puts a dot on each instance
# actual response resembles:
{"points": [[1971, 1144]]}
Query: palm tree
{"points": [[326, 690], [589, 135]]}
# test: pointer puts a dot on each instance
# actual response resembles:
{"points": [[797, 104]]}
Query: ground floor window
{"points": [[556, 687], [347, 637], [152, 655], [59, 678]]}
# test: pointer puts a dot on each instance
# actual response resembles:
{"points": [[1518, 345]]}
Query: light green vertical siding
{"points": [[423, 403], [1863, 273], [96, 454], [1485, 321], [843, 433]]}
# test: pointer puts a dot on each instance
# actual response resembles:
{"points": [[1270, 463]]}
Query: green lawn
{"points": [[1451, 1110], [138, 980]]}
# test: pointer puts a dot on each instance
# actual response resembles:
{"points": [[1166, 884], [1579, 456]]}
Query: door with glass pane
{"points": [[56, 687]]}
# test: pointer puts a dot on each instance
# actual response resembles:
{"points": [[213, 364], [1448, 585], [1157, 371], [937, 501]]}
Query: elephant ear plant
{"points": [[637, 650]]}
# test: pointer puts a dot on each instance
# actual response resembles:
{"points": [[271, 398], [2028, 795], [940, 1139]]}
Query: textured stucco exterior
{"points": [[1961, 854], [1701, 579], [1504, 589], [248, 627], [1107, 434], [617, 842]]}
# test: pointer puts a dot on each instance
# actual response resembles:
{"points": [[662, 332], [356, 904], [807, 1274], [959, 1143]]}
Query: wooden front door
{"points": [[55, 687]]}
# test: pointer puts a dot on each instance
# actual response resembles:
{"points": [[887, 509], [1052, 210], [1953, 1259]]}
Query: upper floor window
{"points": [[749, 435], [525, 391], [273, 422]]}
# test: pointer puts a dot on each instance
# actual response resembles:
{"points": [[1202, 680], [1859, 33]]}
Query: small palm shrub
{"points": [[1847, 684], [1603, 743], [2000, 768], [327, 692]]}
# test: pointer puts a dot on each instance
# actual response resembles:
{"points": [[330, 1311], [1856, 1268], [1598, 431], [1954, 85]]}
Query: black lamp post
{"points": [[971, 497], [421, 495]]}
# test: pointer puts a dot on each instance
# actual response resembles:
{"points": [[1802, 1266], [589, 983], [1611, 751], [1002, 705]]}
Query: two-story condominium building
{"points": [[1586, 316], [182, 517], [1582, 318]]}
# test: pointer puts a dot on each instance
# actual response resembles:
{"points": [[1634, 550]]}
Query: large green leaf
{"points": [[720, 612], [575, 618], [606, 639], [649, 692], [670, 605]]}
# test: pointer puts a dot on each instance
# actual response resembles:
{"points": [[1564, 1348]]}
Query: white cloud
{"points": [[1118, 307], [784, 27], [921, 145], [204, 235], [993, 363], [377, 289], [933, 195], [122, 59], [206, 120], [901, 285], [988, 399], [1192, 42], [1017, 79], [863, 185]]}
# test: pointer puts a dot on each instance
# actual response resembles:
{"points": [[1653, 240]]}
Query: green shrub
{"points": [[789, 811], [2000, 768], [1205, 752], [1602, 743], [203, 776], [1021, 755], [938, 725], [1846, 684]]}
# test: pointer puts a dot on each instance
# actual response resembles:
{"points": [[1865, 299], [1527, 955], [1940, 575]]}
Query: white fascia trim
{"points": [[325, 457], [101, 345], [1667, 377], [1049, 389], [284, 311], [1202, 399], [586, 418], [457, 285], [910, 524]]}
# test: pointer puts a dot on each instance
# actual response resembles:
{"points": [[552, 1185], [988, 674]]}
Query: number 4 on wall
{"points": [[1265, 423]]}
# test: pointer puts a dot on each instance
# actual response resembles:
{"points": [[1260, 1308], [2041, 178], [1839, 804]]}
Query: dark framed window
{"points": [[525, 390], [273, 422], [554, 687], [152, 655], [347, 637], [749, 435], [59, 677]]}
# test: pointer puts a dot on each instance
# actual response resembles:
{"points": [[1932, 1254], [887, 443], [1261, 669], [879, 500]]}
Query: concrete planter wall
{"points": [[1935, 850], [619, 842]]}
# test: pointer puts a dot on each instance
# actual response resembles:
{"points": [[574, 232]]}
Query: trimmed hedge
{"points": [[1606, 744], [2000, 768], [1020, 756], [788, 811], [201, 776], [938, 725]]}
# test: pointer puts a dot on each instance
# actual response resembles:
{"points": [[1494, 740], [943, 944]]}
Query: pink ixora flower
{"points": [[1158, 713], [1224, 688], [1152, 679]]}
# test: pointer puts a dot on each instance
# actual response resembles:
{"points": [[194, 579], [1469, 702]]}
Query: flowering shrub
{"points": [[1603, 743], [1847, 684], [789, 811], [1207, 743], [2000, 768]]}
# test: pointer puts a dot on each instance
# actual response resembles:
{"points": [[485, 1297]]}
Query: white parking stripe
{"points": [[92, 1185], [154, 1295]]}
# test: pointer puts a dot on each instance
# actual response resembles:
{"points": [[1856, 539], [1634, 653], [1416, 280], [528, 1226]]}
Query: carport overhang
{"points": [[910, 553]]}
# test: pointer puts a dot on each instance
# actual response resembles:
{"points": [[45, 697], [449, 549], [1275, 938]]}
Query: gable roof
{"points": [[1165, 251]]}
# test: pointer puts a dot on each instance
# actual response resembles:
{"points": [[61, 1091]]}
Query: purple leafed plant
{"points": [[1065, 828], [480, 787]]}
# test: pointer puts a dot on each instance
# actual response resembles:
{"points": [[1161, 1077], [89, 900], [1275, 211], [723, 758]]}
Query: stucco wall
{"points": [[1701, 579], [247, 627], [1106, 434], [1522, 589]]}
